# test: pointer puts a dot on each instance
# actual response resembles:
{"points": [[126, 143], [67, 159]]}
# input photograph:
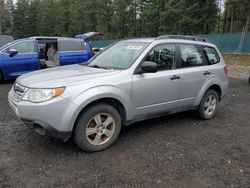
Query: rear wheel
{"points": [[208, 106], [97, 128]]}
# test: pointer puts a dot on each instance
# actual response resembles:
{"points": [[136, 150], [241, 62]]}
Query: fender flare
{"points": [[97, 93], [209, 83]]}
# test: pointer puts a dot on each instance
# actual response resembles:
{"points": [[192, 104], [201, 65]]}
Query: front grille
{"points": [[18, 92]]}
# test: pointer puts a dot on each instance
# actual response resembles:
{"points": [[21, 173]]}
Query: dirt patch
{"points": [[239, 65]]}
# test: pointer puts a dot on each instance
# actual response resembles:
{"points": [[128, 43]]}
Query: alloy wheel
{"points": [[100, 129], [210, 105]]}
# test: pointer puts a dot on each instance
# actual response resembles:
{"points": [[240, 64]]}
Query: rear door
{"points": [[72, 51], [193, 73], [26, 60]]}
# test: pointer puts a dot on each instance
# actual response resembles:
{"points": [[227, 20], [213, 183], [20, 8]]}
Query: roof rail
{"points": [[183, 37]]}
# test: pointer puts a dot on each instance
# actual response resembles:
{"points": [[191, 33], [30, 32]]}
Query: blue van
{"points": [[25, 55]]}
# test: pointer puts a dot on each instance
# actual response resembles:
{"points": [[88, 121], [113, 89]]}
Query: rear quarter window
{"points": [[212, 55], [71, 45]]}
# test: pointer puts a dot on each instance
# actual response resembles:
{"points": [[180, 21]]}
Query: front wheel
{"points": [[97, 128], [208, 106]]}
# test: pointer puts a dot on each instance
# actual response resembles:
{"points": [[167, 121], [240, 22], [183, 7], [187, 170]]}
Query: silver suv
{"points": [[129, 81]]}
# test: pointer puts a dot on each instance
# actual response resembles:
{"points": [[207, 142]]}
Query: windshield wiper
{"points": [[97, 66]]}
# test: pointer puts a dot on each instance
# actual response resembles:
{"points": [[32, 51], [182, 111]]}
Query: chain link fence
{"points": [[234, 43]]}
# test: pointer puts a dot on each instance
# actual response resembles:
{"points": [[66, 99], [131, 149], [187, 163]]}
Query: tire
{"points": [[97, 128], [249, 80], [1, 77], [208, 106]]}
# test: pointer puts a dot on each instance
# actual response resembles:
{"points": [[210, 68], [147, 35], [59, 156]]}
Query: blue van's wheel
{"points": [[1, 77]]}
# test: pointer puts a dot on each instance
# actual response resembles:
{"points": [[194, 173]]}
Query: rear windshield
{"points": [[119, 56]]}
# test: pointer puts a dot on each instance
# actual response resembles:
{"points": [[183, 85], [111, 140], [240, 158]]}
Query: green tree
{"points": [[150, 17], [6, 9], [104, 13], [236, 16], [115, 18], [21, 19], [47, 18]]}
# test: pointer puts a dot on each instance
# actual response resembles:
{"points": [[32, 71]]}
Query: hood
{"points": [[89, 35], [62, 76]]}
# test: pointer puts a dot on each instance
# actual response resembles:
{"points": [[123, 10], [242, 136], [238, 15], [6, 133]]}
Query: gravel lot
{"points": [[174, 151]]}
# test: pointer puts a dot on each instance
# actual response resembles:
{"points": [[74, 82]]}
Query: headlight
{"points": [[41, 95]]}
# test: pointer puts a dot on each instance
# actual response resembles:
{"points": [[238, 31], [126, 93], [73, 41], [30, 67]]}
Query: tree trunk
{"points": [[225, 20], [219, 17], [247, 23], [232, 20]]}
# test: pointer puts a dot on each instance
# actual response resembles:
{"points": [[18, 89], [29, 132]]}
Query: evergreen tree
{"points": [[21, 19], [121, 18], [6, 17]]}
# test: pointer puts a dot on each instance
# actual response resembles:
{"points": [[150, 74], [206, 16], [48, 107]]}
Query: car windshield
{"points": [[118, 56]]}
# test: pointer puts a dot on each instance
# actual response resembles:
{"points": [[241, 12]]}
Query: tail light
{"points": [[226, 70]]}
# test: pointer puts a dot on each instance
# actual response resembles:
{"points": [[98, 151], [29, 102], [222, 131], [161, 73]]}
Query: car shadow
{"points": [[143, 127], [167, 119], [5, 82]]}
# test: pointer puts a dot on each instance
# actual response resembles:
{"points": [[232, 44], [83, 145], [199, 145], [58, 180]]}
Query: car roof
{"points": [[168, 40], [184, 41], [47, 37], [148, 40]]}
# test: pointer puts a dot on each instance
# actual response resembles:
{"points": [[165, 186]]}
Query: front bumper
{"points": [[52, 118], [42, 128]]}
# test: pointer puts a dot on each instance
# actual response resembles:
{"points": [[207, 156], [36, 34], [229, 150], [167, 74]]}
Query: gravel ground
{"points": [[173, 151]]}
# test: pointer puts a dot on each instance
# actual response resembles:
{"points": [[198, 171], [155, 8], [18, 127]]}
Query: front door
{"points": [[155, 93], [26, 60]]}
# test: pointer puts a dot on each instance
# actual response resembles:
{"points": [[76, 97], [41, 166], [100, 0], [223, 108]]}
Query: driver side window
{"points": [[23, 47], [164, 56]]}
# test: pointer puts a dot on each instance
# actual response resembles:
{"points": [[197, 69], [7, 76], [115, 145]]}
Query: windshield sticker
{"points": [[131, 47]]}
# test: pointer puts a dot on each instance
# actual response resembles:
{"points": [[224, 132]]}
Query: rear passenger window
{"points": [[191, 56], [212, 55], [71, 45]]}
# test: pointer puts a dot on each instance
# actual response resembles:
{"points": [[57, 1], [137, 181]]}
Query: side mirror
{"points": [[12, 52], [149, 66]]}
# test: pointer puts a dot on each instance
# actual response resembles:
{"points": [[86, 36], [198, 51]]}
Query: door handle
{"points": [[175, 77], [206, 73]]}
